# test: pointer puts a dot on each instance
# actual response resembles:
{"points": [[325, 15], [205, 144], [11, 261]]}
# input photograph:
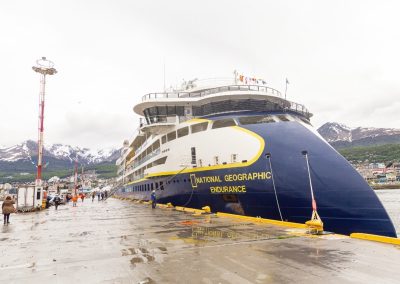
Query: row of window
{"points": [[146, 187], [236, 105], [215, 107], [227, 122], [153, 185], [184, 131], [161, 112]]}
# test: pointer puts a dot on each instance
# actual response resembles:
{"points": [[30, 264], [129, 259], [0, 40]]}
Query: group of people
{"points": [[8, 204], [101, 195], [74, 198]]}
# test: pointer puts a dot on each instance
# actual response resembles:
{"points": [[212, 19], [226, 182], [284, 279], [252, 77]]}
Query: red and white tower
{"points": [[43, 67]]}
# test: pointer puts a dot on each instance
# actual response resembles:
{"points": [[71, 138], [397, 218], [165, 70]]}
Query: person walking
{"points": [[102, 195], [74, 200], [57, 201], [8, 208], [153, 199], [82, 197], [93, 195], [98, 196]]}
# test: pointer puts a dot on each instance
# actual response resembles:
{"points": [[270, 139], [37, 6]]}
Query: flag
{"points": [[287, 81]]}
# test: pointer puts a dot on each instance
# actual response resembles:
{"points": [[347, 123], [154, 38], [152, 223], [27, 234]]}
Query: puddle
{"points": [[136, 260], [162, 249], [143, 250]]}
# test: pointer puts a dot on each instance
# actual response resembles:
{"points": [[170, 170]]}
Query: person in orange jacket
{"points": [[74, 200]]}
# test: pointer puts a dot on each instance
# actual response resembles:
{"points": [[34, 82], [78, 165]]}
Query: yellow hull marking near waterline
{"points": [[262, 220], [375, 238]]}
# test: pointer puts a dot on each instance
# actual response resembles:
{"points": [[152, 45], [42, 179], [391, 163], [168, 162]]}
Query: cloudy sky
{"points": [[341, 58]]}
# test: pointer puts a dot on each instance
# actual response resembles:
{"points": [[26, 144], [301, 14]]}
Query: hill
{"points": [[341, 136], [373, 154]]}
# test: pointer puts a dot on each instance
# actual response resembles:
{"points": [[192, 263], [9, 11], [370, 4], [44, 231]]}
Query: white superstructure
{"points": [[175, 134]]}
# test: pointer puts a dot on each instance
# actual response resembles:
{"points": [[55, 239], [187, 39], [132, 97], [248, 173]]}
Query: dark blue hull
{"points": [[346, 204]]}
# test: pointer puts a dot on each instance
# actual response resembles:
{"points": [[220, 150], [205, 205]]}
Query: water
{"points": [[391, 200]]}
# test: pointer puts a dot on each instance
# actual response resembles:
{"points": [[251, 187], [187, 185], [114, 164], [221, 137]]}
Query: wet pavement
{"points": [[123, 242]]}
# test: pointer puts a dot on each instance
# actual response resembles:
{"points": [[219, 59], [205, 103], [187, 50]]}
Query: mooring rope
{"points": [[273, 184]]}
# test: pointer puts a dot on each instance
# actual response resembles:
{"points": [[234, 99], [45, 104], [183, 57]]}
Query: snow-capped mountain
{"points": [[340, 135], [333, 131], [28, 150]]}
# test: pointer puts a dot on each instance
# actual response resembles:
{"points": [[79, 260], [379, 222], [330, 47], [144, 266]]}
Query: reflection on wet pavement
{"points": [[123, 242]]}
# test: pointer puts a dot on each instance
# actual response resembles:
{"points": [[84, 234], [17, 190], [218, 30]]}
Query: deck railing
{"points": [[144, 159], [207, 92]]}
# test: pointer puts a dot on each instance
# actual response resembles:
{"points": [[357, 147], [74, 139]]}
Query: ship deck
{"points": [[119, 241]]}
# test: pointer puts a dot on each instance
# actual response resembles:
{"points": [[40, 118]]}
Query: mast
{"points": [[76, 179]]}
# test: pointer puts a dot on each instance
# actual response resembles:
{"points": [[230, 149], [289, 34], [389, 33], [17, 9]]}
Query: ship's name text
{"points": [[234, 177], [228, 189]]}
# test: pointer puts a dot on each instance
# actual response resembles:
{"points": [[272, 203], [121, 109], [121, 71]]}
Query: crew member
{"points": [[153, 199]]}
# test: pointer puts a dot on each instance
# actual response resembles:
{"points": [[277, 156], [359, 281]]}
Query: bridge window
{"points": [[162, 111], [256, 119], [176, 110], [223, 123], [199, 127], [164, 139], [236, 105]]}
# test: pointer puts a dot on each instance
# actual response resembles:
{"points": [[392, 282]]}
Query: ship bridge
{"points": [[168, 108]]}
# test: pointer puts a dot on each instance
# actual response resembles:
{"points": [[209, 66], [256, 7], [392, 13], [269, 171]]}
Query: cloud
{"points": [[341, 59], [93, 129]]}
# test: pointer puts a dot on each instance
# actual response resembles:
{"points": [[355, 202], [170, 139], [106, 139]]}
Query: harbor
{"points": [[120, 241], [205, 142]]}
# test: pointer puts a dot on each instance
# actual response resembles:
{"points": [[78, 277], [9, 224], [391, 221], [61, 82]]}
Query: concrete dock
{"points": [[120, 241]]}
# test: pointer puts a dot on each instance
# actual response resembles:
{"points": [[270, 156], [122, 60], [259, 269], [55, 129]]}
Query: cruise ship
{"points": [[239, 146]]}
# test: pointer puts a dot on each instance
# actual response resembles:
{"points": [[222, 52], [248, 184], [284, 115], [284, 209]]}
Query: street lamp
{"points": [[43, 67]]}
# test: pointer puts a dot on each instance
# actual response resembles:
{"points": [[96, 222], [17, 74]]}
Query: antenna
{"points": [[164, 75], [287, 82]]}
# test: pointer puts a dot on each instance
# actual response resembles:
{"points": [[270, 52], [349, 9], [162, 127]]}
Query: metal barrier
{"points": [[207, 92]]}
